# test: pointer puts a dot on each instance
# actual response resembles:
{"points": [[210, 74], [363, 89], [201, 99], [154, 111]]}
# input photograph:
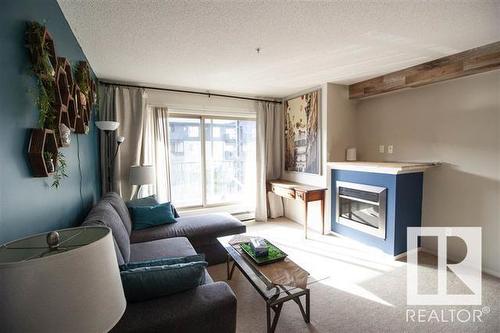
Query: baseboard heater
{"points": [[244, 216]]}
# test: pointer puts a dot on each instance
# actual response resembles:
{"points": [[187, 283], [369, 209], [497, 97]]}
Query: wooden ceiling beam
{"points": [[473, 61]]}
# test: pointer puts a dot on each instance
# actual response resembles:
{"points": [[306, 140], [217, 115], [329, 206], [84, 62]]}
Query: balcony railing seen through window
{"points": [[214, 166]]}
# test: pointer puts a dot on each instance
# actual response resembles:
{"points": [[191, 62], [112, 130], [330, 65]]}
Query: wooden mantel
{"points": [[477, 60]]}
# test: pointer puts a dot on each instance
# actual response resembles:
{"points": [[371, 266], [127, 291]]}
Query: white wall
{"points": [[456, 122]]}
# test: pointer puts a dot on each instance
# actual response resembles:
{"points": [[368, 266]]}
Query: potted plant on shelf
{"points": [[44, 66], [60, 171], [49, 161]]}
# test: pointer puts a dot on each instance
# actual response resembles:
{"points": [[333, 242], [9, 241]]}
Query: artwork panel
{"points": [[302, 133]]}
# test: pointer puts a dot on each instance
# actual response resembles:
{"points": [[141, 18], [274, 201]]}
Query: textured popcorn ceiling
{"points": [[211, 45]]}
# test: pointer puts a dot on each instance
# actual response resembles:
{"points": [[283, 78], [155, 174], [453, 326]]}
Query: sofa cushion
{"points": [[200, 229], [206, 309], [150, 282], [171, 247], [118, 204], [119, 256], [104, 214]]}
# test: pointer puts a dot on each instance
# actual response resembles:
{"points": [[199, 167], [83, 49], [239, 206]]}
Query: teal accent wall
{"points": [[29, 205]]}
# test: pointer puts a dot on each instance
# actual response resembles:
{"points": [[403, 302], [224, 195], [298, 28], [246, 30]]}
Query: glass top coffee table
{"points": [[276, 293]]}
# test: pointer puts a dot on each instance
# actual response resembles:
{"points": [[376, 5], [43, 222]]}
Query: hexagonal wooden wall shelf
{"points": [[41, 140], [47, 44], [93, 92], [62, 87], [62, 117], [87, 116], [72, 112], [80, 126], [83, 108], [83, 69], [64, 63]]}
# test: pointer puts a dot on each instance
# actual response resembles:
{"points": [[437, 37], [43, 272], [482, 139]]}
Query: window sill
{"points": [[233, 209]]}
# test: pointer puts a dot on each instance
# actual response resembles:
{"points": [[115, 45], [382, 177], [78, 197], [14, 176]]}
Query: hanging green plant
{"points": [[41, 50], [43, 59], [49, 161], [60, 171], [88, 91], [45, 102], [43, 64], [82, 76]]}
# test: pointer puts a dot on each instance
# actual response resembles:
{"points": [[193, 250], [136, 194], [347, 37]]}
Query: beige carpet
{"points": [[359, 290]]}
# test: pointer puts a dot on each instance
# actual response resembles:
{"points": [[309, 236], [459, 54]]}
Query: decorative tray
{"points": [[275, 254]]}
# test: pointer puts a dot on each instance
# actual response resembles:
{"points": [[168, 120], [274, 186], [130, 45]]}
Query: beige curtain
{"points": [[155, 147], [127, 106], [269, 144]]}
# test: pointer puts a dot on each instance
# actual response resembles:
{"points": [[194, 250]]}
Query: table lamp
{"points": [[64, 281], [141, 175]]}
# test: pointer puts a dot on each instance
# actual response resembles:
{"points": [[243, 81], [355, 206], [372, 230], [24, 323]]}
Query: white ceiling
{"points": [[211, 45]]}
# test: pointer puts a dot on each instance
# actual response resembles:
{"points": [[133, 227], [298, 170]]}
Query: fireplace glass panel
{"points": [[360, 212]]}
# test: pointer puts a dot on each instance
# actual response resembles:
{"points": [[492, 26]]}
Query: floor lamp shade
{"points": [[107, 125], [72, 287], [142, 175]]}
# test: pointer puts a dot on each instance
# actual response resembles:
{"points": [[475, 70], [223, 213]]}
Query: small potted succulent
{"points": [[65, 135], [49, 161]]}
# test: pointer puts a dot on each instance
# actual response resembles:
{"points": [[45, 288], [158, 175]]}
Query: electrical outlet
{"points": [[381, 149], [390, 149]]}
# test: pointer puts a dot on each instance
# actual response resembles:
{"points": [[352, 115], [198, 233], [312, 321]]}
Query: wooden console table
{"points": [[303, 193]]}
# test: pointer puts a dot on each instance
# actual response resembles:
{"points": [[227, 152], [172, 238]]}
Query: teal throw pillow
{"points": [[151, 216], [145, 283], [162, 261], [148, 201]]}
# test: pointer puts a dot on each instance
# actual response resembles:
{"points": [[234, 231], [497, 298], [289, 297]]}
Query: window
{"points": [[185, 163], [193, 131], [223, 171], [230, 162]]}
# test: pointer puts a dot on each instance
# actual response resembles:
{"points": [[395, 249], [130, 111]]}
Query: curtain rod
{"points": [[189, 92]]}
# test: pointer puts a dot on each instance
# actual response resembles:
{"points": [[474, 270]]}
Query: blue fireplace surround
{"points": [[404, 207]]}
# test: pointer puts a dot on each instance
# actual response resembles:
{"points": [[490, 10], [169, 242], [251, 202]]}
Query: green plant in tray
{"points": [[275, 254]]}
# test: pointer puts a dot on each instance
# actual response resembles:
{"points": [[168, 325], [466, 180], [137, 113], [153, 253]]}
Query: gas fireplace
{"points": [[362, 207]]}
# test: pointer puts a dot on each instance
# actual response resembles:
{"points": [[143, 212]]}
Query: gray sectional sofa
{"points": [[210, 307]]}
